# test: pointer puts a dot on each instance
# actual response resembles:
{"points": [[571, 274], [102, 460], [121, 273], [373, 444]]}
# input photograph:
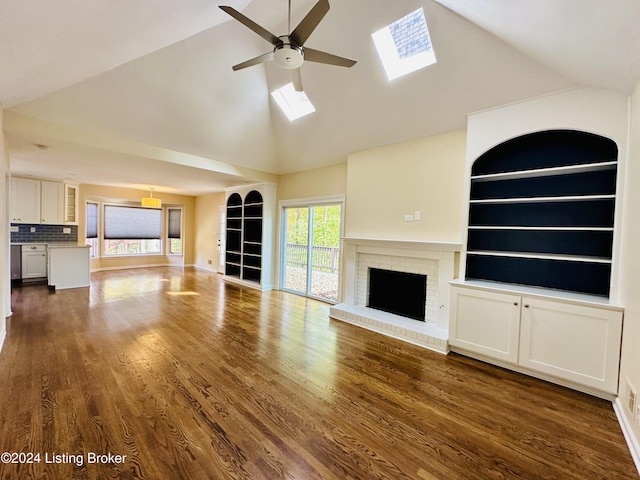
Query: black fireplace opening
{"points": [[400, 293]]}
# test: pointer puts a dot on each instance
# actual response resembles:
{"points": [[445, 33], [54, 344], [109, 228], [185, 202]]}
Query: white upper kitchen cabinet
{"points": [[36, 201], [52, 203], [25, 196]]}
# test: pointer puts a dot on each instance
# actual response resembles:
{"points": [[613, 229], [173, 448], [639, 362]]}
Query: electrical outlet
{"points": [[632, 400], [209, 262]]}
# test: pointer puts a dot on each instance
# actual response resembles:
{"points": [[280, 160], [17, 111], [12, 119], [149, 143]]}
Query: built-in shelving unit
{"points": [[252, 240], [541, 212], [249, 236], [537, 276], [71, 201], [233, 253]]}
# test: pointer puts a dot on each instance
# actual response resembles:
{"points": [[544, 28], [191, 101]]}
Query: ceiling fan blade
{"points": [[254, 61], [296, 79], [317, 56], [247, 22], [309, 23]]}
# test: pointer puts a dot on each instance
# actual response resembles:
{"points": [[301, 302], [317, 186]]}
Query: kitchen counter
{"points": [[67, 264], [65, 245], [53, 244]]}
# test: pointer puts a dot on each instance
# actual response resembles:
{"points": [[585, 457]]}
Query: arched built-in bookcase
{"points": [[538, 260], [249, 236]]}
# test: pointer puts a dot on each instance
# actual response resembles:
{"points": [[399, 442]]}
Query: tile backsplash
{"points": [[43, 233]]}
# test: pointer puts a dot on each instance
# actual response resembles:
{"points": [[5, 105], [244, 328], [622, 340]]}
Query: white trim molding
{"points": [[627, 431]]}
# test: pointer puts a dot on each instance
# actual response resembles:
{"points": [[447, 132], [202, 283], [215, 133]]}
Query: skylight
{"points": [[293, 104], [405, 45]]}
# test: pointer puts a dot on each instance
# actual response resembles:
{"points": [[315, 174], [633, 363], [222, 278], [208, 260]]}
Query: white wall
{"points": [[587, 109], [206, 230], [630, 273], [5, 256], [385, 184]]}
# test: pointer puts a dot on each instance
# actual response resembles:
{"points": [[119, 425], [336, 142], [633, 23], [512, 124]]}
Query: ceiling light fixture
{"points": [[150, 201]]}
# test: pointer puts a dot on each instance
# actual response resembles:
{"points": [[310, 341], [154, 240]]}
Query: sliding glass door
{"points": [[296, 250], [311, 252]]}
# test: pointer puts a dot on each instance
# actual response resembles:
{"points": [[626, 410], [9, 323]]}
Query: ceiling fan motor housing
{"points": [[288, 54]]}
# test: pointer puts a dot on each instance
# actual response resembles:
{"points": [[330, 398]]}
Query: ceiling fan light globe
{"points": [[288, 56]]}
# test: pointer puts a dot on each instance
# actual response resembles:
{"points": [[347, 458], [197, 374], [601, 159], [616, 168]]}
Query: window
{"points": [[92, 229], [293, 104], [174, 231], [405, 45], [132, 230]]}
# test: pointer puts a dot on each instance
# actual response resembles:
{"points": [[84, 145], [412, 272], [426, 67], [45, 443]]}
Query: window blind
{"points": [[92, 220], [175, 217], [132, 223]]}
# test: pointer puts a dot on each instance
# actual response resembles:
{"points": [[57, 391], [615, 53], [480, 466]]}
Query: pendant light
{"points": [[150, 201]]}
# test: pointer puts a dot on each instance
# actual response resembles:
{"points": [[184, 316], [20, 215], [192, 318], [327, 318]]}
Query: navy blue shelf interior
{"points": [[573, 220], [547, 149]]}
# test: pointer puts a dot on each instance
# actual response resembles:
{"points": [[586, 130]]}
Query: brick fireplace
{"points": [[435, 260]]}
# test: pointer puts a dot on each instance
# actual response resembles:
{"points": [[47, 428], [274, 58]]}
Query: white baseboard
{"points": [[129, 267], [627, 430], [3, 335]]}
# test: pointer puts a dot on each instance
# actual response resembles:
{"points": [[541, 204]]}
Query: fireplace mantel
{"points": [[399, 243], [401, 255]]}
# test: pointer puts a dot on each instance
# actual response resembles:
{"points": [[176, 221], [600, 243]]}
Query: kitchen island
{"points": [[68, 265]]}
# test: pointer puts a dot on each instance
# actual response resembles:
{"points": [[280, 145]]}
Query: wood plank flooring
{"points": [[186, 376]]}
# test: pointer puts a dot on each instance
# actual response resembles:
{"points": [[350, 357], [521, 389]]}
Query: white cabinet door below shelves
{"points": [[576, 343], [487, 323]]}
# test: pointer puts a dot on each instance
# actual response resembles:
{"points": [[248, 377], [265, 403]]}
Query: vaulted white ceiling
{"points": [[143, 94]]}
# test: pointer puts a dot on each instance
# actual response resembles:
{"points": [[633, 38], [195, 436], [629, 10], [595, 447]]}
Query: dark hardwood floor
{"points": [[186, 376]]}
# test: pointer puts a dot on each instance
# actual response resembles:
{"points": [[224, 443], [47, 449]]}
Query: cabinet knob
{"points": [[515, 303], [526, 306]]}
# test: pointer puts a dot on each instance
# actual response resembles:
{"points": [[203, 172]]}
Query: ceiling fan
{"points": [[289, 51]]}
